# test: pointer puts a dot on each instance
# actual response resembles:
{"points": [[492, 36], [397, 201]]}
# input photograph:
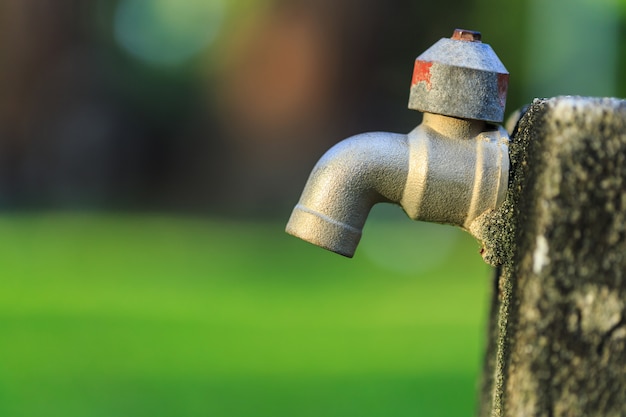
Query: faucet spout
{"points": [[347, 181]]}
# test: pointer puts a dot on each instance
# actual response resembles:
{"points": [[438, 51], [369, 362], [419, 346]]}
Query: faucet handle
{"points": [[461, 77]]}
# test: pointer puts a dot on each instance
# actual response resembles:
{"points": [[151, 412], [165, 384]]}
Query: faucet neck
{"points": [[454, 127]]}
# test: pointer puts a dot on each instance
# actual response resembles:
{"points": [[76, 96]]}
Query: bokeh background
{"points": [[150, 154]]}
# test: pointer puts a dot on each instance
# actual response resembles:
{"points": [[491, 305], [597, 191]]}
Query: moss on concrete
{"points": [[557, 343]]}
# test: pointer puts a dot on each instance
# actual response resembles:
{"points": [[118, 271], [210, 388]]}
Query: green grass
{"points": [[109, 315]]}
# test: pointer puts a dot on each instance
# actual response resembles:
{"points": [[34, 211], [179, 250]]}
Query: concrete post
{"points": [[557, 338]]}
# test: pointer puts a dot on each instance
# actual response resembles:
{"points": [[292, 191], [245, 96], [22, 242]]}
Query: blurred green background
{"points": [[150, 154], [148, 315]]}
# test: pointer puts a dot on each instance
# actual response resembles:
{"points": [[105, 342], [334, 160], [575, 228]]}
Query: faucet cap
{"points": [[460, 77]]}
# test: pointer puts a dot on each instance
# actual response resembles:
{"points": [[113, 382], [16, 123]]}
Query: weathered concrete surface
{"points": [[557, 343]]}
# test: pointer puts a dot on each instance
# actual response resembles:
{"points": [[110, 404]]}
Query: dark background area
{"points": [[223, 106]]}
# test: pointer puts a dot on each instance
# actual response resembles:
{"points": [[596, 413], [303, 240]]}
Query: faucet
{"points": [[451, 169]]}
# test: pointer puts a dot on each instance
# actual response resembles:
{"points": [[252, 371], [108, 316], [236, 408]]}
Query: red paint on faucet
{"points": [[421, 73]]}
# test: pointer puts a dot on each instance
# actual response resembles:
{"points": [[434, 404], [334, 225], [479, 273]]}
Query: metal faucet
{"points": [[450, 169]]}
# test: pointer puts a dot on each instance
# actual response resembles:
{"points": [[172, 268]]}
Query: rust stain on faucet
{"points": [[466, 35]]}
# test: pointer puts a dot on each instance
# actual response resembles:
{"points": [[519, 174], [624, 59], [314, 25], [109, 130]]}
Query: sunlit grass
{"points": [[149, 315]]}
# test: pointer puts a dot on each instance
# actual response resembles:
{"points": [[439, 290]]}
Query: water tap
{"points": [[452, 168]]}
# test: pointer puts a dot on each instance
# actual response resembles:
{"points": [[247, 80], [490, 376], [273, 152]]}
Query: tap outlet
{"points": [[450, 169]]}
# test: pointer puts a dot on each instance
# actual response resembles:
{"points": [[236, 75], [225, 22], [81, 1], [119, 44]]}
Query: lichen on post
{"points": [[557, 336]]}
